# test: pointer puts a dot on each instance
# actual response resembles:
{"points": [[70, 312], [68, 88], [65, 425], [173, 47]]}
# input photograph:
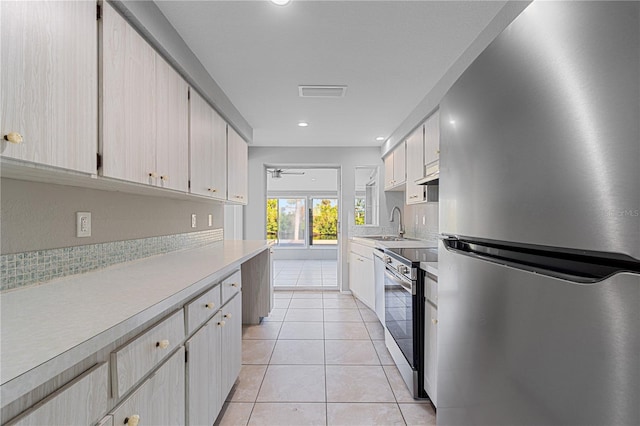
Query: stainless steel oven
{"points": [[404, 297]]}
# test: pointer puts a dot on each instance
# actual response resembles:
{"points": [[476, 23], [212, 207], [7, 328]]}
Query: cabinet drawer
{"points": [[135, 359], [230, 286], [201, 309], [80, 402], [362, 250], [160, 400]]}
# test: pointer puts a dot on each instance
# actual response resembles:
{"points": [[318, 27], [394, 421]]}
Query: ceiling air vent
{"points": [[322, 91]]}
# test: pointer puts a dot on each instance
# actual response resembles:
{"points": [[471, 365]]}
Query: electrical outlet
{"points": [[210, 220], [193, 220], [83, 224]]}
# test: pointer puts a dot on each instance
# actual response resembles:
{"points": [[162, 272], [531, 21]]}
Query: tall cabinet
{"points": [[48, 106], [145, 110]]}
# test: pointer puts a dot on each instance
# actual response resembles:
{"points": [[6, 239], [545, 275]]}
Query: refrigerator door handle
{"points": [[583, 267]]}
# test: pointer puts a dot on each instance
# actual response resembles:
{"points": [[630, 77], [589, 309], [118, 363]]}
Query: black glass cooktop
{"points": [[414, 255]]}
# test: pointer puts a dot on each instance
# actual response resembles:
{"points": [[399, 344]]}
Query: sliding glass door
{"points": [[288, 220]]}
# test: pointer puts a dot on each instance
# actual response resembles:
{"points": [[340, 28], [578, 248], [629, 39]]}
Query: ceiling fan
{"points": [[277, 173]]}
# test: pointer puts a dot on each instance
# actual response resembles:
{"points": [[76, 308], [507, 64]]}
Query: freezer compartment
{"points": [[539, 136], [517, 347]]}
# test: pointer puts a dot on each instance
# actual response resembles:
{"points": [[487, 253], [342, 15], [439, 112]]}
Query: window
{"points": [[288, 221], [325, 221]]}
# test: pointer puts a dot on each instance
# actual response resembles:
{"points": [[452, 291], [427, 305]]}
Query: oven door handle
{"points": [[393, 277]]}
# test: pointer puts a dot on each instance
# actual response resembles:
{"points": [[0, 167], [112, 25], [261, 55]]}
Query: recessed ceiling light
{"points": [[380, 138], [452, 121], [280, 2], [303, 124]]}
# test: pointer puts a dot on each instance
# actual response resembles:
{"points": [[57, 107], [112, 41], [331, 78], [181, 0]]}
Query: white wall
{"points": [[345, 158]]}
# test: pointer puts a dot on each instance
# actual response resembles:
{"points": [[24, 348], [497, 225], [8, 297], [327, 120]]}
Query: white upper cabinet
{"points": [[395, 168], [145, 110], [415, 154], [432, 144], [208, 149], [172, 131], [238, 167], [128, 144], [49, 75]]}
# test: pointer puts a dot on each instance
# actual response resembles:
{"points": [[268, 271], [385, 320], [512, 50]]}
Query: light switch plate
{"points": [[210, 220], [193, 220], [83, 224]]}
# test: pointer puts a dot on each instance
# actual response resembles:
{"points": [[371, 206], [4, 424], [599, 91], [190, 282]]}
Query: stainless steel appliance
{"points": [[539, 270], [404, 299]]}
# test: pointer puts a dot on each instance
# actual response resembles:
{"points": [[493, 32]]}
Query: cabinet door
{"points": [[231, 354], [204, 374], [388, 171], [128, 95], [201, 146], [172, 106], [219, 164], [431, 351], [415, 154], [48, 57], [399, 164], [368, 292], [238, 167], [355, 279], [432, 138], [161, 398]]}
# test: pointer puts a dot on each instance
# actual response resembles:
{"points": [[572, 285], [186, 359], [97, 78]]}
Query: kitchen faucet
{"points": [[400, 227]]}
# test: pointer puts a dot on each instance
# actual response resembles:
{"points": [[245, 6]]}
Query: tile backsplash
{"points": [[421, 221], [22, 269]]}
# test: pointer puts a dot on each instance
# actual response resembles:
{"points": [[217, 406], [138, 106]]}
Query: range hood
{"points": [[431, 174]]}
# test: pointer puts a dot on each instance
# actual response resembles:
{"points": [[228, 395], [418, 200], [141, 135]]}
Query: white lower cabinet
{"points": [[204, 396], [361, 274], [81, 402], [431, 351], [213, 363], [231, 355], [160, 400]]}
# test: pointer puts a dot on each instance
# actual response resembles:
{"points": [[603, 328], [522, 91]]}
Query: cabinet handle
{"points": [[234, 284], [221, 323], [153, 174], [13, 137], [434, 321], [162, 344], [210, 305], [227, 315], [164, 178], [132, 421], [212, 190]]}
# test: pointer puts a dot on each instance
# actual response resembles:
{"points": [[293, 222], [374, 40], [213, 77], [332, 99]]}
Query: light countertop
{"points": [[430, 267], [61, 322]]}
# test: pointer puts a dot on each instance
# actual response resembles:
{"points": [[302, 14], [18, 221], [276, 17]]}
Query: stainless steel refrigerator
{"points": [[539, 258]]}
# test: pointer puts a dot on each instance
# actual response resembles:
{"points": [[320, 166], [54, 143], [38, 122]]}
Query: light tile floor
{"points": [[305, 273], [320, 359]]}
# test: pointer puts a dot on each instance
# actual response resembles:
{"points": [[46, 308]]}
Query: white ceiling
{"points": [[390, 54]]}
